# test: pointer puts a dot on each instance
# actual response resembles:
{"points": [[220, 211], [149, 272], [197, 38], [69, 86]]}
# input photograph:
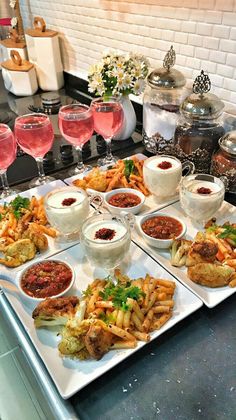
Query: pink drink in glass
{"points": [[34, 134], [108, 118], [75, 127], [7, 147]]}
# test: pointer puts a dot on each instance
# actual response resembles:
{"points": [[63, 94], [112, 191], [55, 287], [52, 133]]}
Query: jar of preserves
{"points": [[224, 160], [162, 98], [200, 126]]}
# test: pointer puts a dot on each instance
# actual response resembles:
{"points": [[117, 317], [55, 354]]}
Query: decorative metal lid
{"points": [[201, 104], [228, 142], [167, 77], [50, 98]]}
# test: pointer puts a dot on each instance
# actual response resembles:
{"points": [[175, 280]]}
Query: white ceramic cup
{"points": [[161, 181]]}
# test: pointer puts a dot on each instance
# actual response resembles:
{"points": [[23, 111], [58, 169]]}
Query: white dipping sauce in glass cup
{"points": [[201, 196], [105, 240], [66, 210], [162, 174]]}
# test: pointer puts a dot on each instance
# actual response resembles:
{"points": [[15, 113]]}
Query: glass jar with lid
{"points": [[224, 160], [200, 126], [162, 98]]}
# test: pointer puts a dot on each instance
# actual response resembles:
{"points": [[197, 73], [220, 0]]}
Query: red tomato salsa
{"points": [[46, 279], [124, 200], [162, 227]]}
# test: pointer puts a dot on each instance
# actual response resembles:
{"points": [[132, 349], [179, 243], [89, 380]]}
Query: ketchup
{"points": [[68, 201], [203, 190], [105, 233], [164, 165]]}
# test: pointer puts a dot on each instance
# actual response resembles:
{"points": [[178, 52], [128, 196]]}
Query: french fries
{"points": [[136, 317], [116, 177], [23, 218]]}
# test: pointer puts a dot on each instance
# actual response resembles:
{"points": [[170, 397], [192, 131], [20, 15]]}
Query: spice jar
{"points": [[200, 126], [224, 160], [162, 98]]}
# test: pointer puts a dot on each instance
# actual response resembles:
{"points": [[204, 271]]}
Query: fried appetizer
{"points": [[200, 252], [97, 341], [210, 275], [18, 253], [55, 311]]}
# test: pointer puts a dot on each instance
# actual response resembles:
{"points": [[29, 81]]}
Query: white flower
{"points": [[139, 86], [12, 4], [14, 22], [118, 73]]}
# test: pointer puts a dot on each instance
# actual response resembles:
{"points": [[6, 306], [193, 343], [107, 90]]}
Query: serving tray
{"points": [[151, 204], [70, 375], [53, 246], [210, 296]]}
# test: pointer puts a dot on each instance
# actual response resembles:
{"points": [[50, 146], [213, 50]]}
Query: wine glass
{"points": [[108, 117], [34, 134], [76, 125], [7, 156]]}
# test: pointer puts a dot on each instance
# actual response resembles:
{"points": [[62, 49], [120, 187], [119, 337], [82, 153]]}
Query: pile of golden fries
{"points": [[143, 316], [28, 223], [12, 228], [114, 178]]}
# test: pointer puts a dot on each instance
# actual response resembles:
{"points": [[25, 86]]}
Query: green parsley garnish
{"points": [[18, 204], [119, 294], [229, 232], [88, 292], [129, 167]]}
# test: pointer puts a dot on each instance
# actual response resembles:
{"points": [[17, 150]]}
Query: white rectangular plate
{"points": [[72, 375], [210, 296], [53, 247], [151, 203]]}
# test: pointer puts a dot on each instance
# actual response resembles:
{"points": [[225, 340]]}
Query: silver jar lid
{"points": [[167, 77], [228, 142], [201, 104]]}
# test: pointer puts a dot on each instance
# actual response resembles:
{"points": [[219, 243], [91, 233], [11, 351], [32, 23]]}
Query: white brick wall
{"points": [[203, 33]]}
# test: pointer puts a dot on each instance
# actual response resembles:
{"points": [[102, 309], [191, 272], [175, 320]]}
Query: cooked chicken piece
{"points": [[210, 275], [97, 341], [80, 183], [200, 252], [55, 311], [18, 253]]}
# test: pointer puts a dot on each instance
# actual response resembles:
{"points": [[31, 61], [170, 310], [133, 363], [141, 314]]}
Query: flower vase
{"points": [[129, 122]]}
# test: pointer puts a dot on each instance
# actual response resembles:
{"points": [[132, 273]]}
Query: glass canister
{"points": [[200, 126], [162, 98], [224, 160]]}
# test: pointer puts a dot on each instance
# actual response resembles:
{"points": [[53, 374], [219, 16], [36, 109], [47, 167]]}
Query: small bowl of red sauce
{"points": [[160, 230], [45, 279], [124, 199]]}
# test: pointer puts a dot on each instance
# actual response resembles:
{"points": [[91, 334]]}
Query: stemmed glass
{"points": [[108, 117], [7, 156], [76, 125], [34, 134]]}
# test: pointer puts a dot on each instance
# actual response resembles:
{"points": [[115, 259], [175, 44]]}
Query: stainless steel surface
{"points": [[62, 410], [228, 142], [166, 77], [202, 105]]}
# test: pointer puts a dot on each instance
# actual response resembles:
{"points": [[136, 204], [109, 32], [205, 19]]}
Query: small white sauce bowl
{"points": [[118, 210], [158, 243], [35, 299]]}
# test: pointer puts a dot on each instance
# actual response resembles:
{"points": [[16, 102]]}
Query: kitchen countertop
{"points": [[186, 374]]}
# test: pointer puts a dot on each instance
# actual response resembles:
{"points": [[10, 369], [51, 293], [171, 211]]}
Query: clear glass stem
{"points": [[41, 172], [80, 163], [109, 153], [5, 185]]}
